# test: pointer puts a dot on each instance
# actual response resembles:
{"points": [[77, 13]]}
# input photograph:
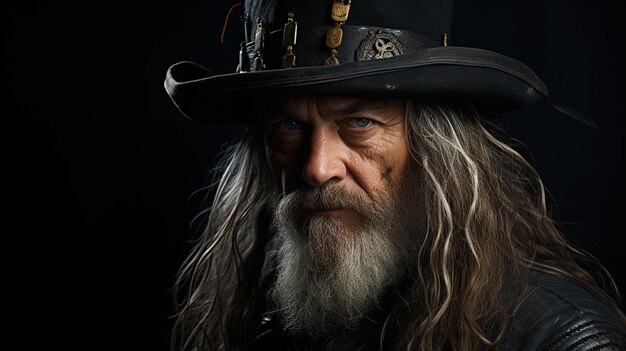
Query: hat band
{"points": [[359, 43]]}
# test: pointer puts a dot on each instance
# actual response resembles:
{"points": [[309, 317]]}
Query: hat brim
{"points": [[482, 77]]}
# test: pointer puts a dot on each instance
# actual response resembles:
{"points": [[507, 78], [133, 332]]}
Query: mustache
{"points": [[329, 197]]}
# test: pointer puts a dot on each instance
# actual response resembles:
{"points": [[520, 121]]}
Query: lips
{"points": [[340, 213], [327, 209]]}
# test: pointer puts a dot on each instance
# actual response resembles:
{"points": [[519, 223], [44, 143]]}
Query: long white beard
{"points": [[330, 275]]}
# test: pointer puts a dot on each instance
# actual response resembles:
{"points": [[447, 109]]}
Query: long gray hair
{"points": [[486, 223]]}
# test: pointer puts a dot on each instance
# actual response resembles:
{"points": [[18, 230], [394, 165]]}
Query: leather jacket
{"points": [[557, 315], [560, 315]]}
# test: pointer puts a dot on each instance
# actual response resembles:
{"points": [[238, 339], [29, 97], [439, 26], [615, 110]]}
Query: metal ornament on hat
{"points": [[243, 59], [244, 63], [379, 45], [259, 44], [290, 34], [339, 14]]}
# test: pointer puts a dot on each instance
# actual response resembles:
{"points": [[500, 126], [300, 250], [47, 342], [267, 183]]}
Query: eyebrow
{"points": [[350, 108], [360, 106]]}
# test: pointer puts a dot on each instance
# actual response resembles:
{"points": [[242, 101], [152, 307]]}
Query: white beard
{"points": [[330, 275]]}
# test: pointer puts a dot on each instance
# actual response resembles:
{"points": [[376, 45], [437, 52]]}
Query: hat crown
{"points": [[383, 48], [429, 18]]}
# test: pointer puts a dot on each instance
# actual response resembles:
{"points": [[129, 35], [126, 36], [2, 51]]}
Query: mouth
{"points": [[327, 210], [339, 213]]}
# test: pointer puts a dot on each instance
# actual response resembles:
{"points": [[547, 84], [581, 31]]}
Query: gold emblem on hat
{"points": [[340, 11], [290, 34], [334, 35]]}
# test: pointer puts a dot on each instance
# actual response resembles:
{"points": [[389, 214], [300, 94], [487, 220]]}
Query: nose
{"points": [[327, 158]]}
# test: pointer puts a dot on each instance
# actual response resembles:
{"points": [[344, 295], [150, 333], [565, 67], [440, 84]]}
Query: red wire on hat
{"points": [[226, 21]]}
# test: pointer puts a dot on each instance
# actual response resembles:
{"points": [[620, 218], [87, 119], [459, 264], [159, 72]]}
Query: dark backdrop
{"points": [[101, 166]]}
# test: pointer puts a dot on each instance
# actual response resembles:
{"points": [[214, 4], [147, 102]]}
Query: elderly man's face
{"points": [[342, 217], [356, 143]]}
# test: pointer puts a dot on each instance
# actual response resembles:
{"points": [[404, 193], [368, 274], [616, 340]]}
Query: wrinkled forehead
{"points": [[303, 106]]}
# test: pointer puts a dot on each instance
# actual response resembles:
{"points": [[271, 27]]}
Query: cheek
{"points": [[381, 167], [398, 157], [400, 161]]}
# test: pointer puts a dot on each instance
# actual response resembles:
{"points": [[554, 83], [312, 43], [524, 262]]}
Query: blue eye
{"points": [[289, 124], [363, 122]]}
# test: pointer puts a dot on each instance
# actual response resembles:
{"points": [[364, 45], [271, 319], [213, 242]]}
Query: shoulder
{"points": [[559, 315]]}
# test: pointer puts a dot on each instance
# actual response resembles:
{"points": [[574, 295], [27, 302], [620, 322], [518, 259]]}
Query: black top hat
{"points": [[390, 48]]}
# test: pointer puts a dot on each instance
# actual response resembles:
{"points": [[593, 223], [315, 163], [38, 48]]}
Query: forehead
{"points": [[328, 106]]}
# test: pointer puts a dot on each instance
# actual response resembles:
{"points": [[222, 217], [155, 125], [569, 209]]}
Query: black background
{"points": [[101, 166]]}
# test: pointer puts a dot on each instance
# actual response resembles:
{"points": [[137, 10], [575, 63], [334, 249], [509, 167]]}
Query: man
{"points": [[368, 206]]}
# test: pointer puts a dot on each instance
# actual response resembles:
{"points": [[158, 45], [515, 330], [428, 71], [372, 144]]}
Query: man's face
{"points": [[342, 217], [359, 144]]}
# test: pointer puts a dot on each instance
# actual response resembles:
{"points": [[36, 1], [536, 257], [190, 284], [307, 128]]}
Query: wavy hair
{"points": [[486, 224]]}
